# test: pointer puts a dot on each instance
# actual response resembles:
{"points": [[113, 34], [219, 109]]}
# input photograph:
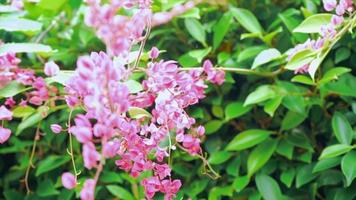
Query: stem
{"points": [[206, 163], [231, 69], [71, 145], [30, 164], [142, 46]]}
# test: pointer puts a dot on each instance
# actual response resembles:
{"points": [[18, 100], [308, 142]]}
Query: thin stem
{"points": [[142, 46], [71, 145], [30, 164], [231, 69], [206, 163]]}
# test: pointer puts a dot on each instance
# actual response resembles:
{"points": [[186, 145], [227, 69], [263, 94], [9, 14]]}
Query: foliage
{"points": [[270, 133]]}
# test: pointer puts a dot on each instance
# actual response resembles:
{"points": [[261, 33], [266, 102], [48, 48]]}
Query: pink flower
{"points": [[5, 114], [329, 5], [151, 185], [5, 134], [82, 133], [154, 53], [170, 188], [56, 128], [111, 148], [214, 76], [162, 171], [340, 9], [90, 155], [88, 190], [337, 20], [302, 70], [51, 69], [191, 144], [68, 180], [10, 102]]}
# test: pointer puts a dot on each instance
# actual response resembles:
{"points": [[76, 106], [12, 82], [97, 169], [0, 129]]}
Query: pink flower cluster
{"points": [[327, 32], [98, 86], [10, 72], [118, 32], [165, 17], [5, 133]]}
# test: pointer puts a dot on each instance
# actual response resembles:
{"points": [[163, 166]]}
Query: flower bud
{"points": [[5, 114], [154, 53], [56, 128], [68, 180], [5, 134], [51, 69]]}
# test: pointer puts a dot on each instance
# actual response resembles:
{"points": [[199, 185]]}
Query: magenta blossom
{"points": [[68, 180], [5, 114], [56, 128], [329, 5], [88, 190], [5, 134], [51, 69]]}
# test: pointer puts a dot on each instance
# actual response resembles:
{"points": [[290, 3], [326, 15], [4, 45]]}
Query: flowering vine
{"points": [[132, 127]]}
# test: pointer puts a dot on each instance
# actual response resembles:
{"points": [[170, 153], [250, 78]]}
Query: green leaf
{"points": [[272, 105], [219, 157], [300, 59], [12, 89], [24, 48], [192, 13], [216, 192], [285, 148], [196, 29], [268, 187], [305, 175], [262, 93], [18, 24], [137, 113], [348, 166], [212, 126], [120, 192], [249, 53], [334, 150], [110, 177], [333, 74], [342, 54], [314, 23], [134, 86], [42, 112], [51, 5], [287, 177], [266, 56], [292, 120], [260, 155], [221, 28], [51, 162], [194, 57], [46, 188], [248, 139], [235, 110], [240, 183], [197, 187], [7, 9], [62, 77], [23, 111], [247, 19], [28, 122], [342, 128], [300, 140], [303, 79], [325, 164]]}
